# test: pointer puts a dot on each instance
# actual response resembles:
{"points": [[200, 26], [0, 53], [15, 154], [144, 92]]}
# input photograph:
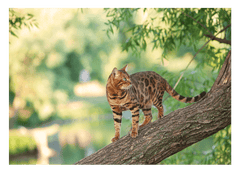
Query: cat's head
{"points": [[121, 78]]}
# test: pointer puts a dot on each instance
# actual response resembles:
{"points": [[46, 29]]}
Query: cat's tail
{"points": [[181, 98]]}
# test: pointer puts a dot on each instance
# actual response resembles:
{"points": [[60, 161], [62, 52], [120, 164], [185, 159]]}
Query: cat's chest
{"points": [[119, 98]]}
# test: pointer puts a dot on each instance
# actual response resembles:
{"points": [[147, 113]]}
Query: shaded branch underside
{"points": [[175, 131]]}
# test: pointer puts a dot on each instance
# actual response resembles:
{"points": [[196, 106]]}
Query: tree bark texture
{"points": [[175, 131]]}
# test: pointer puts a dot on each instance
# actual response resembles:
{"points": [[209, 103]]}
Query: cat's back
{"points": [[149, 80], [146, 76]]}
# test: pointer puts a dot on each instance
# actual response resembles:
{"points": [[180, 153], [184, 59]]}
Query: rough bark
{"points": [[175, 131]]}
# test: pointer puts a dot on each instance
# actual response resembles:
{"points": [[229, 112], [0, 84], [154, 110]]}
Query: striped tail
{"points": [[181, 98]]}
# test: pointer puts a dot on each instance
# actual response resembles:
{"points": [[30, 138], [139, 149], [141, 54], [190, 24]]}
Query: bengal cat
{"points": [[138, 91]]}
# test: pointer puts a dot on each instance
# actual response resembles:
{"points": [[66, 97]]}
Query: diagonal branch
{"points": [[220, 40], [175, 131]]}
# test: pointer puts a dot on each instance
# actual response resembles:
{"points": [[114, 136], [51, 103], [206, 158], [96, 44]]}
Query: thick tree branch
{"points": [[220, 40], [175, 131]]}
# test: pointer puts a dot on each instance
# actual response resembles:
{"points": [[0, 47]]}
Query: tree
{"points": [[174, 132], [169, 29]]}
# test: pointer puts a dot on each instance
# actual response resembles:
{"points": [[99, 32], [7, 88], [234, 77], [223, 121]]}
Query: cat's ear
{"points": [[125, 68], [115, 72]]}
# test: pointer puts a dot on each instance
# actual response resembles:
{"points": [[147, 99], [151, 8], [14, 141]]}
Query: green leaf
{"points": [[144, 45], [35, 24], [13, 34], [111, 29], [136, 42], [30, 16]]}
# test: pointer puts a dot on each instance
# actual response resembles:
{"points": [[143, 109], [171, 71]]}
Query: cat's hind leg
{"points": [[158, 104], [147, 116]]}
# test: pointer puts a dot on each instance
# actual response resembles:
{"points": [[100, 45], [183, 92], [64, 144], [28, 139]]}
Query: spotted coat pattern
{"points": [[138, 91]]}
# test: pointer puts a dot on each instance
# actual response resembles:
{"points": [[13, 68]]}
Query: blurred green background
{"points": [[58, 111]]}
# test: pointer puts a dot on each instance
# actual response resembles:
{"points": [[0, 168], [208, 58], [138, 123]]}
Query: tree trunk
{"points": [[175, 131]]}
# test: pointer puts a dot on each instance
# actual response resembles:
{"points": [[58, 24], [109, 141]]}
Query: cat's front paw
{"points": [[115, 139], [134, 134]]}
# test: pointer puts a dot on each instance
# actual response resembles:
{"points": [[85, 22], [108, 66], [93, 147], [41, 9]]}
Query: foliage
{"points": [[221, 151], [16, 21], [45, 63], [173, 30], [20, 143]]}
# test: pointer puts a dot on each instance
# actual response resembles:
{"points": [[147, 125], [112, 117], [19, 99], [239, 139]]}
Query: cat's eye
{"points": [[124, 79]]}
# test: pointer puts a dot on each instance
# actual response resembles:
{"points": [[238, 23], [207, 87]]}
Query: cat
{"points": [[138, 91]]}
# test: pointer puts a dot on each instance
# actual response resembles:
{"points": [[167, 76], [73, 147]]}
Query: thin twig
{"points": [[196, 55], [178, 81]]}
